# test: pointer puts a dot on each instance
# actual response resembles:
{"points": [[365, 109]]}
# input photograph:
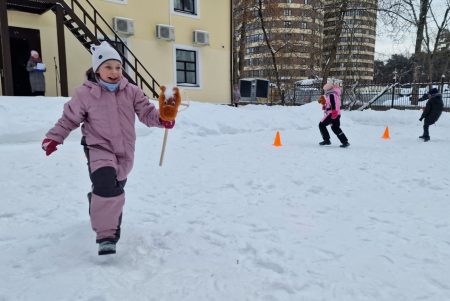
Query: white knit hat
{"points": [[102, 53], [34, 53]]}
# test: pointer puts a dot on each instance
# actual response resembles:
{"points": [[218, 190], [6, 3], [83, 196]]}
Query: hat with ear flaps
{"points": [[102, 53], [331, 83], [430, 92], [433, 91]]}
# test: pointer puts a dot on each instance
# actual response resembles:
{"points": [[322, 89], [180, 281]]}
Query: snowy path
{"points": [[229, 217]]}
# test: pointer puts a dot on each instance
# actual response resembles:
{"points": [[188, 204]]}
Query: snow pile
{"points": [[228, 216]]}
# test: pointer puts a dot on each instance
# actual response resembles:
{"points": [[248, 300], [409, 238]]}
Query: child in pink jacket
{"points": [[106, 105], [332, 115]]}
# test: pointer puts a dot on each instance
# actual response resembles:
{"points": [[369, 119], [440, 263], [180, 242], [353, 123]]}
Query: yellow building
{"points": [[182, 42]]}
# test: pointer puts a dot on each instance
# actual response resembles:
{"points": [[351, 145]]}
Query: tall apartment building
{"points": [[356, 45], [294, 28], [302, 33]]}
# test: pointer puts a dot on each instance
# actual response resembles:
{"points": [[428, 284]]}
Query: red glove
{"points": [[49, 146], [334, 114], [167, 124]]}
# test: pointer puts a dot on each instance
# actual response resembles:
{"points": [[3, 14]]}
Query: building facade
{"points": [[302, 32], [355, 48], [182, 42], [294, 28]]}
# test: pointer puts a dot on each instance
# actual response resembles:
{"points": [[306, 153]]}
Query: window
{"points": [[255, 38], [186, 6], [187, 67], [287, 12]]}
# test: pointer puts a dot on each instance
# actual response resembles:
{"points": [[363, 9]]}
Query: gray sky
{"points": [[386, 45]]}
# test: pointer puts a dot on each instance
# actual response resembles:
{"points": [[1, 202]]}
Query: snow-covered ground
{"points": [[228, 216]]}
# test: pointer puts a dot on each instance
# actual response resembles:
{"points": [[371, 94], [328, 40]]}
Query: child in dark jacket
{"points": [[331, 105], [106, 105], [431, 112]]}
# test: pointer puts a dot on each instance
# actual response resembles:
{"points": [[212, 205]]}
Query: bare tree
{"points": [[404, 15], [420, 23], [241, 18], [265, 6], [277, 40], [444, 53], [434, 37], [314, 42], [330, 49]]}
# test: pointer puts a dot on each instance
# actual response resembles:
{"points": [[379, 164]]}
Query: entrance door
{"points": [[2, 77], [22, 41]]}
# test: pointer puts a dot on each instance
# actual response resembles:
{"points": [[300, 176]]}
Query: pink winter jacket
{"points": [[332, 103], [108, 118]]}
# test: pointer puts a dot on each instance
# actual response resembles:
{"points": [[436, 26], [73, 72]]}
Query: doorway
{"points": [[22, 41]]}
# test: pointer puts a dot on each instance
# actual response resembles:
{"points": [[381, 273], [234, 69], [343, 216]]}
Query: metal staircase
{"points": [[89, 27]]}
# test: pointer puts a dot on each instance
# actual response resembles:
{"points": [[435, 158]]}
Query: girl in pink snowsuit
{"points": [[106, 105], [332, 115]]}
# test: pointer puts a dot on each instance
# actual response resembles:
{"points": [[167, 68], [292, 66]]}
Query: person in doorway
{"points": [[106, 105], [431, 112], [36, 70], [331, 105]]}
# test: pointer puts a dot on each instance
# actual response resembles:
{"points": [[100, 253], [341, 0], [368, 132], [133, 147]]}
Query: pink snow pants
{"points": [[108, 174]]}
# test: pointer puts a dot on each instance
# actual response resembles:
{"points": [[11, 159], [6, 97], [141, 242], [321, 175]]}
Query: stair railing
{"points": [[93, 20]]}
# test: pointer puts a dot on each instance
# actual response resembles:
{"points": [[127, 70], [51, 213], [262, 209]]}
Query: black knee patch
{"points": [[104, 181]]}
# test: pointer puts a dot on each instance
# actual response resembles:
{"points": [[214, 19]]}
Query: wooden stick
{"points": [[166, 132]]}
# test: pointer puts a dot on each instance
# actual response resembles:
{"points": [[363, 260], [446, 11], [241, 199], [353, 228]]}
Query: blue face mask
{"points": [[110, 87]]}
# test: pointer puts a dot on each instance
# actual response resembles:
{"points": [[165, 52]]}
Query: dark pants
{"points": [[426, 133], [335, 127], [426, 126]]}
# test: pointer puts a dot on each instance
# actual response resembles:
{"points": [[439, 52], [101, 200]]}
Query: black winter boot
{"points": [[107, 247], [325, 142]]}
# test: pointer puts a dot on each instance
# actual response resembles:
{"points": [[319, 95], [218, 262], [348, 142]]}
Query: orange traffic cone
{"points": [[386, 133], [277, 141]]}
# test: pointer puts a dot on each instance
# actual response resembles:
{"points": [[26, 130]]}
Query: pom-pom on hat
{"points": [[102, 53], [34, 53]]}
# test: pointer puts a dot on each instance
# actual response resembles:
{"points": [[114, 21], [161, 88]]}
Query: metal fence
{"points": [[379, 96]]}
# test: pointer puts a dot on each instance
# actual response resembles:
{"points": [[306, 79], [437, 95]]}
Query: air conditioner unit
{"points": [[201, 37], [165, 32], [123, 26]]}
